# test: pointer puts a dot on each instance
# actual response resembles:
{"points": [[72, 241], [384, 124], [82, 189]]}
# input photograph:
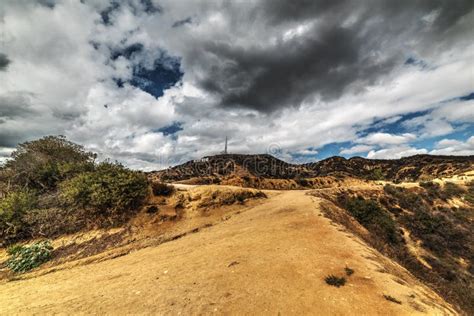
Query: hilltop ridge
{"points": [[223, 166]]}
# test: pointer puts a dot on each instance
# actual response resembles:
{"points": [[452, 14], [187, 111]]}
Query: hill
{"points": [[215, 169]]}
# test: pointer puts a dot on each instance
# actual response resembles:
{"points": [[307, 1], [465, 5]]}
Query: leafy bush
{"points": [[404, 197], [43, 163], [376, 174], [469, 195], [433, 189], [25, 258], [372, 216], [13, 249], [12, 209], [53, 221], [335, 281], [109, 189], [451, 190], [160, 188]]}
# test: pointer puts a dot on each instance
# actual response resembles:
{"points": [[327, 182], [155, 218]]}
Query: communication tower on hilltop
{"points": [[225, 147]]}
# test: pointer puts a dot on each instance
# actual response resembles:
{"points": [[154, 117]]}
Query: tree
{"points": [[43, 163]]}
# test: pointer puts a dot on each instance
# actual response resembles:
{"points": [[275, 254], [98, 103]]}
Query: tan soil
{"points": [[269, 259]]}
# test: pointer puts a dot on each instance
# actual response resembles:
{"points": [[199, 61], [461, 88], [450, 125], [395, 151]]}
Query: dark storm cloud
{"points": [[4, 62], [14, 105], [47, 3], [349, 46], [289, 72], [182, 22]]}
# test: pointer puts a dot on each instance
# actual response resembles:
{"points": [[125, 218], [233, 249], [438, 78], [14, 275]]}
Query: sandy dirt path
{"points": [[270, 259]]}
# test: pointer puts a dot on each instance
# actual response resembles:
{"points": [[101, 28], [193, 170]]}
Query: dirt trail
{"points": [[269, 259]]}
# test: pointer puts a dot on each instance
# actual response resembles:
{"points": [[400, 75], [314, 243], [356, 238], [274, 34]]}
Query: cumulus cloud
{"points": [[395, 152], [356, 149], [386, 139], [454, 147], [440, 121], [307, 152]]}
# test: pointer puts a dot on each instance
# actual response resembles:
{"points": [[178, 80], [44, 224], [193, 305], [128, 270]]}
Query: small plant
{"points": [[25, 258], [335, 281], [13, 249], [240, 198], [160, 188], [392, 299], [349, 271]]}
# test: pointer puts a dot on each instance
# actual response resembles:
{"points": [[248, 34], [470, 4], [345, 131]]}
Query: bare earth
{"points": [[269, 259]]}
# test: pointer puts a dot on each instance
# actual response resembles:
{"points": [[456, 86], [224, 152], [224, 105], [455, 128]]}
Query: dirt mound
{"points": [[200, 201]]}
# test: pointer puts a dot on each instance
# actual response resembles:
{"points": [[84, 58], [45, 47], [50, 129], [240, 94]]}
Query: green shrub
{"points": [[433, 189], [404, 197], [377, 174], [451, 190], [13, 249], [160, 188], [43, 163], [25, 258], [335, 281], [448, 191], [469, 195], [371, 215], [12, 209], [109, 189]]}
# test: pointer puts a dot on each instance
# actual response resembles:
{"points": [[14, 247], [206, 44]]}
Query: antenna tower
{"points": [[225, 148]]}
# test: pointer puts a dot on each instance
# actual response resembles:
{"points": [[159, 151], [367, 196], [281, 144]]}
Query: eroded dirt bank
{"points": [[269, 259]]}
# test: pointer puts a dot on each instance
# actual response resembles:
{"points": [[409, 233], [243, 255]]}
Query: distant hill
{"points": [[414, 168], [411, 168]]}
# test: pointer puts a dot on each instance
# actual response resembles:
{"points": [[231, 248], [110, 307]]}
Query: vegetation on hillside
{"points": [[52, 186], [25, 258], [216, 168], [373, 217], [443, 233]]}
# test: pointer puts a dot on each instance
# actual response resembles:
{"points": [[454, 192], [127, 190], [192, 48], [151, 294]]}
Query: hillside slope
{"points": [[268, 259], [215, 169]]}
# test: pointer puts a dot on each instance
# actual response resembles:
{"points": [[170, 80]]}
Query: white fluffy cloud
{"points": [[386, 139], [395, 152], [454, 147], [356, 149]]}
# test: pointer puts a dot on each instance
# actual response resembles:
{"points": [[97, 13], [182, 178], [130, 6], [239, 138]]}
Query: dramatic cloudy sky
{"points": [[152, 83]]}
